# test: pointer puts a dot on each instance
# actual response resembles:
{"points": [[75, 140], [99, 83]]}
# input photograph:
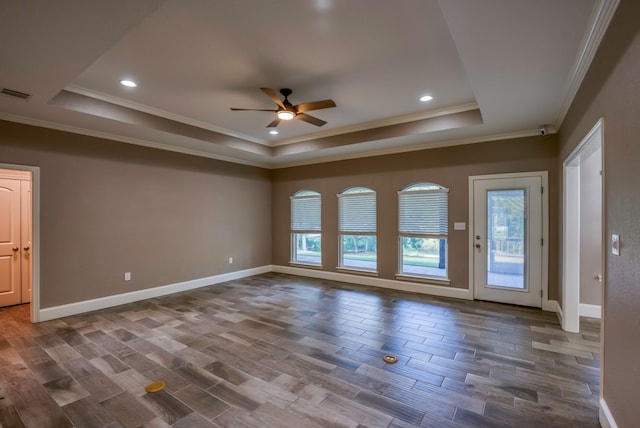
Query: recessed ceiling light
{"points": [[128, 83], [273, 132], [426, 98]]}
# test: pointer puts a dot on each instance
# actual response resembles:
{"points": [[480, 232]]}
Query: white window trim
{"points": [[417, 192], [293, 232], [430, 278], [401, 274], [342, 233]]}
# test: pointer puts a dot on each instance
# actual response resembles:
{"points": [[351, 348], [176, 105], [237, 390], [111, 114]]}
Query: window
{"points": [[306, 237], [423, 228], [357, 228]]}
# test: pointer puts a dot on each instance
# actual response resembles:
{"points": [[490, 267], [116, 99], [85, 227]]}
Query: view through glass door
{"points": [[507, 239]]}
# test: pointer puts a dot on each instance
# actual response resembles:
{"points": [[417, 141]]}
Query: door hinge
{"points": [[542, 241], [541, 293], [542, 190]]}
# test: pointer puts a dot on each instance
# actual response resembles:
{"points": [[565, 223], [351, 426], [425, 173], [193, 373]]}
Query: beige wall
{"points": [[109, 208], [611, 90], [449, 167]]}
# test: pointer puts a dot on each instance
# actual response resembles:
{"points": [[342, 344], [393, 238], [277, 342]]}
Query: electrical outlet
{"points": [[127, 276], [230, 260]]}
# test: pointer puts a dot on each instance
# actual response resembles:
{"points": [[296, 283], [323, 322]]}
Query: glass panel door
{"points": [[506, 245], [506, 226]]}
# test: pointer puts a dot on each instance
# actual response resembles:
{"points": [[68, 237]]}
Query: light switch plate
{"points": [[615, 245], [459, 225]]}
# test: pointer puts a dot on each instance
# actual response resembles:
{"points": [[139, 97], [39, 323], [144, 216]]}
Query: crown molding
{"points": [[160, 113], [379, 123], [339, 131], [411, 148], [129, 140], [599, 21], [272, 165]]}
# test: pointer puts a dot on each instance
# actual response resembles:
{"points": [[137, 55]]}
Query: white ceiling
{"points": [[496, 69]]}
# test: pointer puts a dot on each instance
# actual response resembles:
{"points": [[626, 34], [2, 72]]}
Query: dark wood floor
{"points": [[283, 351]]}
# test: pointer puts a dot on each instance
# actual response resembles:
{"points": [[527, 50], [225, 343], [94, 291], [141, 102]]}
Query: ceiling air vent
{"points": [[15, 94]]}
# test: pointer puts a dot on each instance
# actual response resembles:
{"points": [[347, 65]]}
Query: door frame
{"points": [[544, 177], [35, 235], [570, 310]]}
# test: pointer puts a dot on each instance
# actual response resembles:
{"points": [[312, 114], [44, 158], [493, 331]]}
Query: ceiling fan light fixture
{"points": [[128, 83], [288, 111], [286, 115]]}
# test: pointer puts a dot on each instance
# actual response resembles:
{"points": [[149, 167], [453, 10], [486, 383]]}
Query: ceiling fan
{"points": [[288, 111]]}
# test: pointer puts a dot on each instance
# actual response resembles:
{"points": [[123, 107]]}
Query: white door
{"points": [[10, 251], [25, 234], [507, 240]]}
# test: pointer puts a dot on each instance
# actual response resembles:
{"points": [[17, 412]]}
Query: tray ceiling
{"points": [[495, 69]]}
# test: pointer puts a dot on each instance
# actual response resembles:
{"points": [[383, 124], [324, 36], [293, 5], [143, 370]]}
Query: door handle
{"points": [[477, 245], [27, 248], [15, 248]]}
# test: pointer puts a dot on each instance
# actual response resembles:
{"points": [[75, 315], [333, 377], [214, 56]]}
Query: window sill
{"points": [[423, 279], [304, 265], [357, 271]]}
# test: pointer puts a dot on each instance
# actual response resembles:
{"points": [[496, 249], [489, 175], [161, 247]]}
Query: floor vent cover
{"points": [[390, 359]]}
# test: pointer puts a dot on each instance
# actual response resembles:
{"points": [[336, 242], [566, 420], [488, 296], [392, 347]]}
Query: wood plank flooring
{"points": [[283, 351]]}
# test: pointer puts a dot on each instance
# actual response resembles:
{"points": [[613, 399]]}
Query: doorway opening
{"points": [[583, 236], [19, 237]]}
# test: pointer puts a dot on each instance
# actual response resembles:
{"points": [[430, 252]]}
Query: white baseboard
{"points": [[606, 418], [591, 311], [54, 312], [549, 305], [413, 287], [148, 293]]}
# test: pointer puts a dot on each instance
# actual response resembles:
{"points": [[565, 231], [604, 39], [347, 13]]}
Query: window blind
{"points": [[424, 212], [305, 213], [357, 212]]}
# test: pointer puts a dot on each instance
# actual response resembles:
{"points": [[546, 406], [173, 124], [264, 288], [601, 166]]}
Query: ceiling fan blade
{"points": [[250, 109], [310, 119], [274, 96], [316, 105], [273, 124]]}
